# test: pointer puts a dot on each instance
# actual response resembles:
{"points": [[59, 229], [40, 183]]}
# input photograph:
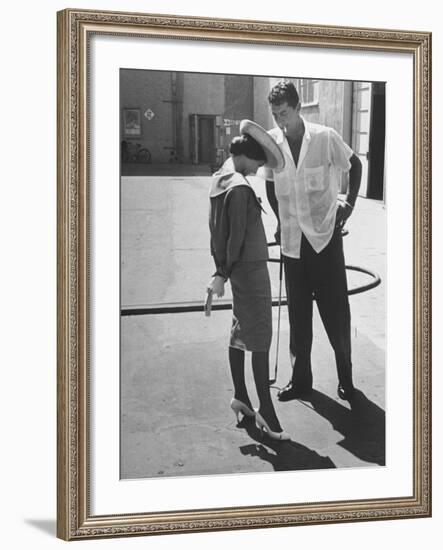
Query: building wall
{"points": [[239, 96], [262, 111], [239, 104], [203, 94], [173, 97], [347, 112], [228, 97], [147, 90], [329, 110]]}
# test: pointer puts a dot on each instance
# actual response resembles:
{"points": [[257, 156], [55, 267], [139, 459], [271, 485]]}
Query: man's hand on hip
{"points": [[344, 210]]}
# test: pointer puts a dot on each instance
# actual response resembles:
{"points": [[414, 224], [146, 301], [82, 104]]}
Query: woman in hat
{"points": [[239, 248]]}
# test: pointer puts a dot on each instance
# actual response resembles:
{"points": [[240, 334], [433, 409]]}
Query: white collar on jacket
{"points": [[225, 178]]}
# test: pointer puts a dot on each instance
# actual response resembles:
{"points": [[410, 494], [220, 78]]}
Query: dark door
{"points": [[206, 139], [377, 142]]}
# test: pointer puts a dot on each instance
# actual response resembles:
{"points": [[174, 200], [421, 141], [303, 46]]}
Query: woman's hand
{"points": [[217, 286], [277, 234]]}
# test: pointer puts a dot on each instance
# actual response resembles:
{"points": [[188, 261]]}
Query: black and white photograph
{"points": [[252, 273]]}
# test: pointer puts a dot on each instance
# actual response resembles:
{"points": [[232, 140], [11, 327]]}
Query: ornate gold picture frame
{"points": [[76, 517]]}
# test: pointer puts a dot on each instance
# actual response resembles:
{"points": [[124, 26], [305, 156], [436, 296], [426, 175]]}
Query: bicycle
{"points": [[141, 154]]}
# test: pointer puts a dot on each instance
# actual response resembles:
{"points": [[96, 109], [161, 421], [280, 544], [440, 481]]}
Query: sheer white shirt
{"points": [[307, 194]]}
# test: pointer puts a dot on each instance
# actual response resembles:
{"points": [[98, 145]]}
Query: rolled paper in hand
{"points": [[208, 302]]}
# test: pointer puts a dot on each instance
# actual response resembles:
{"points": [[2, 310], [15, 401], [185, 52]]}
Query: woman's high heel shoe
{"points": [[263, 426], [239, 407]]}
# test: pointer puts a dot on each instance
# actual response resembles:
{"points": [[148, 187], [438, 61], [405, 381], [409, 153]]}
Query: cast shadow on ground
{"points": [[48, 526], [363, 425], [287, 455]]}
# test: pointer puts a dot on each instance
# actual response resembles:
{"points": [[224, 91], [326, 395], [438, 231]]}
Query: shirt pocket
{"points": [[314, 179]]}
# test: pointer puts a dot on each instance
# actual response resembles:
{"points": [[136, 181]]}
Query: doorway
{"points": [[376, 172], [203, 138], [368, 135]]}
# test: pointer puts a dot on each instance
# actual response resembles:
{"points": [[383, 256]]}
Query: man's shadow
{"points": [[363, 425], [286, 455]]}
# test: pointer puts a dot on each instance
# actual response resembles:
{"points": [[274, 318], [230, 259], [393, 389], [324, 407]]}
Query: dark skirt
{"points": [[252, 307]]}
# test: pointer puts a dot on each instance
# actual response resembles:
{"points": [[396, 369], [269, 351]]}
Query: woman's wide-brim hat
{"points": [[274, 156]]}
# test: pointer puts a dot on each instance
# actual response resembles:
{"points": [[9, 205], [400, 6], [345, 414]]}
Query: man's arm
{"points": [[345, 209], [354, 179], [272, 199]]}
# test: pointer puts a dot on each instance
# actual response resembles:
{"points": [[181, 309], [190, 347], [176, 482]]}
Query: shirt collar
{"points": [[307, 124]]}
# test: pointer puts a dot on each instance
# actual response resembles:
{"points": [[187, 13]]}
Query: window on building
{"points": [[308, 91]]}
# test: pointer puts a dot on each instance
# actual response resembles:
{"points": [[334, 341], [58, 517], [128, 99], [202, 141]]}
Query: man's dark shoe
{"points": [[291, 391], [345, 393]]}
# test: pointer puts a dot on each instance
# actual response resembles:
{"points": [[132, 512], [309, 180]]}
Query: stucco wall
{"points": [[147, 90], [203, 94], [239, 104], [329, 110], [262, 111]]}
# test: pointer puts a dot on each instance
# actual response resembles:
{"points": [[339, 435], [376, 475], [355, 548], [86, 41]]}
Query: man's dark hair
{"points": [[284, 91], [248, 146]]}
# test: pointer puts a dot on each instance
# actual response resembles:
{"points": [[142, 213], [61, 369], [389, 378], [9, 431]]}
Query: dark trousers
{"points": [[320, 276]]}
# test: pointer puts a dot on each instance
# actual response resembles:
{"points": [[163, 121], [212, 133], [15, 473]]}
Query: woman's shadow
{"points": [[286, 455]]}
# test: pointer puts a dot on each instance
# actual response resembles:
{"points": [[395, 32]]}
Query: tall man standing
{"points": [[304, 197]]}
